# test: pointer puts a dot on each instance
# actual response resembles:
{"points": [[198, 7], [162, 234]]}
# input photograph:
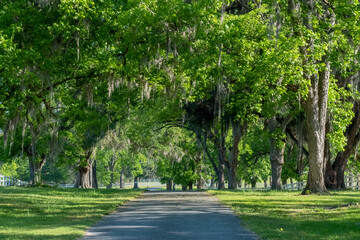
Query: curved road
{"points": [[171, 215]]}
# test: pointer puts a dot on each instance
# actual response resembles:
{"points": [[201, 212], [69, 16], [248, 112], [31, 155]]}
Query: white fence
{"points": [[351, 182], [10, 181], [143, 183], [294, 186]]}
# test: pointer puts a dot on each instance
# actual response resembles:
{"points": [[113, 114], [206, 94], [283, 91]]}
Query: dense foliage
{"points": [[191, 91]]}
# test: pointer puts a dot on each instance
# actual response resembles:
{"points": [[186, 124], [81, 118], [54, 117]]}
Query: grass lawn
{"points": [[289, 215], [51, 213]]}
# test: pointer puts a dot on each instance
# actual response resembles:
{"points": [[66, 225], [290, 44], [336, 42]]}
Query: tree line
{"points": [[187, 90]]}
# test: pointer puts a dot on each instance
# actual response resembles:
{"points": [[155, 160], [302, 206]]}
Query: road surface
{"points": [[170, 216]]}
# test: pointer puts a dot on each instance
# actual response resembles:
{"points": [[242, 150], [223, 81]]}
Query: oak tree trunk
{"points": [[221, 176], [110, 167], [32, 171], [35, 167], [277, 161], [253, 181], [122, 184], [212, 183], [136, 186], [94, 182], [199, 183], [232, 184], [335, 173], [234, 155], [277, 150], [169, 184], [35, 170], [316, 110], [83, 179]]}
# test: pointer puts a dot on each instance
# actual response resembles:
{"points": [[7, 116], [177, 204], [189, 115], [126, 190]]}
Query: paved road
{"points": [[169, 216]]}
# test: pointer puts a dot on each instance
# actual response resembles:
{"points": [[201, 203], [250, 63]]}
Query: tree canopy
{"points": [[190, 91]]}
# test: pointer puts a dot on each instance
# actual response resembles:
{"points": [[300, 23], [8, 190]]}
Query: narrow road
{"points": [[171, 215]]}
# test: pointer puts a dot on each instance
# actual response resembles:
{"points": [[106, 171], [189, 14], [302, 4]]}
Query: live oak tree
{"points": [[74, 36], [315, 22], [26, 79], [41, 43], [223, 79], [344, 100]]}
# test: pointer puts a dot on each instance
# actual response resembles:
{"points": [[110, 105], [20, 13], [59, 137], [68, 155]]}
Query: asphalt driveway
{"points": [[171, 215]]}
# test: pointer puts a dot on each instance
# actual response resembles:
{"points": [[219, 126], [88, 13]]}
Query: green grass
{"points": [[51, 213], [289, 215]]}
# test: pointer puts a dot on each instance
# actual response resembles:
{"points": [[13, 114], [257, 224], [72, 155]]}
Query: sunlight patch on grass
{"points": [[50, 213]]}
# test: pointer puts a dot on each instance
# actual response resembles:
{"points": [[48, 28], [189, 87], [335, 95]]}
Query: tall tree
{"points": [[314, 23]]}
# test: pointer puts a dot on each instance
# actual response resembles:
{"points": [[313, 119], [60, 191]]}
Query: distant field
{"points": [[289, 215], [50, 213]]}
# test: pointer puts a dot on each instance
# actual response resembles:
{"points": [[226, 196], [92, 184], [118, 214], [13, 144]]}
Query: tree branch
{"points": [[328, 4], [306, 153]]}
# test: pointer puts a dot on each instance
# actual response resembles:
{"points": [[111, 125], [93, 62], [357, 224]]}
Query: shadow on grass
{"points": [[295, 229]]}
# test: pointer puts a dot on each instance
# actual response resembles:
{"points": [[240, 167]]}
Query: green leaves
{"points": [[91, 66], [341, 114], [9, 169]]}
